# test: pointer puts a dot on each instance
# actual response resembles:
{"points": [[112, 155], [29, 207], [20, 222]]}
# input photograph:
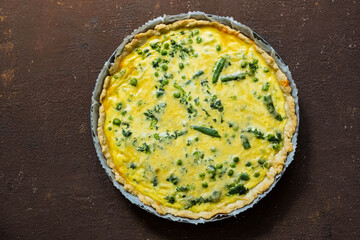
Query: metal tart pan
{"points": [[166, 19]]}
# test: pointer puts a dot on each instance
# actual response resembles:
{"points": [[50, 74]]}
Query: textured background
{"points": [[52, 185]]}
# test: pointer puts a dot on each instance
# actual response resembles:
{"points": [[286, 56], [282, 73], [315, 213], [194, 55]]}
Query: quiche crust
{"points": [[279, 158]]}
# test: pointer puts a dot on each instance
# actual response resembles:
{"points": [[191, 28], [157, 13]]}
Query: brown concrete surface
{"points": [[52, 185]]}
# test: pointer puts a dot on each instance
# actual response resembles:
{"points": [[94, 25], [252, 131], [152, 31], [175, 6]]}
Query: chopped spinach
{"points": [[173, 179]]}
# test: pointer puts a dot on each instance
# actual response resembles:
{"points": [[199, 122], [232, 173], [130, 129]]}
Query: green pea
{"points": [[196, 55], [198, 39], [181, 65], [219, 165], [196, 32], [248, 164], [255, 79], [163, 52], [276, 146], [266, 69], [179, 162], [233, 165], [133, 82], [245, 177], [244, 64], [213, 149], [166, 45], [119, 106], [116, 121], [204, 184], [231, 172], [116, 76], [183, 76], [202, 175], [176, 94], [109, 128], [196, 139], [164, 67], [236, 159], [218, 48], [156, 74], [257, 174]]}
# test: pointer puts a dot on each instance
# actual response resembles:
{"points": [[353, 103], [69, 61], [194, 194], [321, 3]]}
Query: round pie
{"points": [[195, 119]]}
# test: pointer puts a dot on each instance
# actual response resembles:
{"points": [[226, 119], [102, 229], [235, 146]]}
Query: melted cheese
{"points": [[149, 159]]}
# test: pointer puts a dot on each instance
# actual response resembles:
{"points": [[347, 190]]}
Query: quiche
{"points": [[196, 120]]}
